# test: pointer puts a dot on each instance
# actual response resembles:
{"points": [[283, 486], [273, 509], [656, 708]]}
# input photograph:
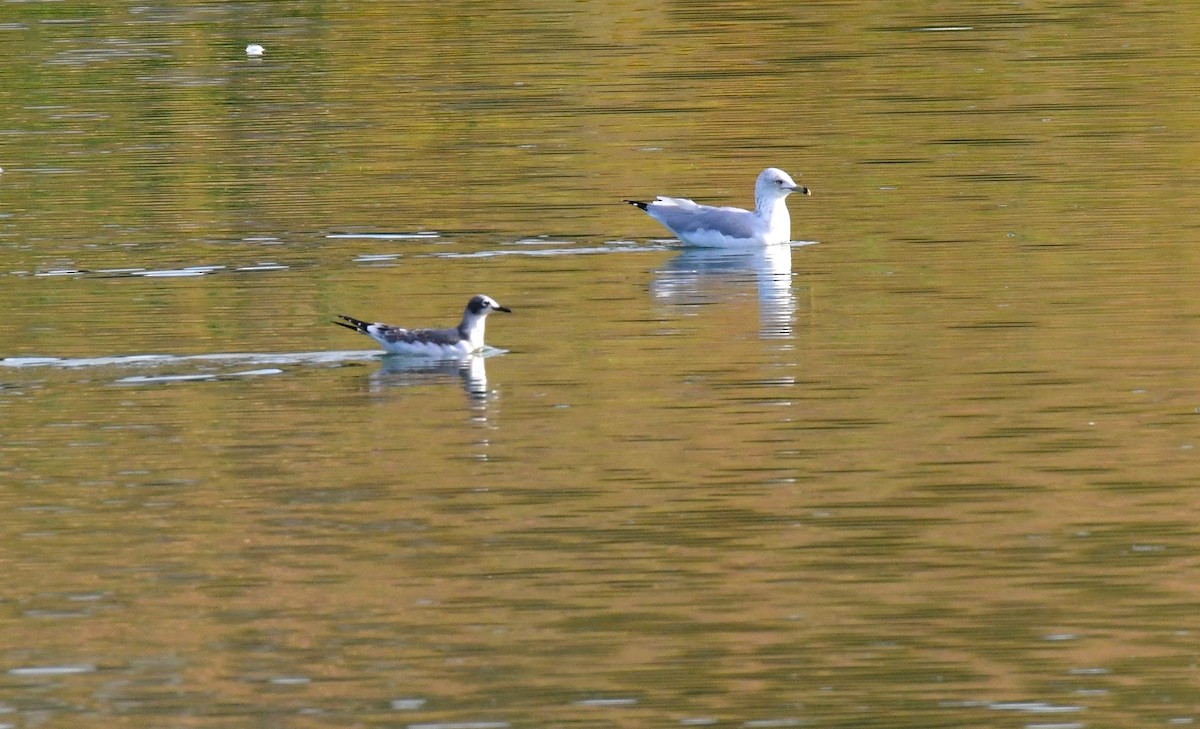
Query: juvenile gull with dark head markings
{"points": [[705, 225], [460, 341]]}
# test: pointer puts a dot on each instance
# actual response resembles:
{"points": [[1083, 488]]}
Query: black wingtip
{"points": [[637, 204]]}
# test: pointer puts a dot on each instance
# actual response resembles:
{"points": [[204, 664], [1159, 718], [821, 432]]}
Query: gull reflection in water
{"points": [[694, 275], [470, 371], [401, 371]]}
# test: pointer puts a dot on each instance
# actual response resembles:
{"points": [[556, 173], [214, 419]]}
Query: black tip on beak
{"points": [[505, 309], [803, 190]]}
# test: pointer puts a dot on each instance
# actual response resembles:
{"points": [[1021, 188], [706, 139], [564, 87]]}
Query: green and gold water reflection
{"points": [[935, 470]]}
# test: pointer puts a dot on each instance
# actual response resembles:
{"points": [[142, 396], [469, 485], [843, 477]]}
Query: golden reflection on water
{"points": [[934, 469]]}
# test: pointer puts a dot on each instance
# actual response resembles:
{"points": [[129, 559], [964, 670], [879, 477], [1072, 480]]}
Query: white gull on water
{"points": [[704, 225], [460, 341]]}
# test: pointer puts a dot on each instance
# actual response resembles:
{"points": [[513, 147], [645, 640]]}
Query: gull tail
{"points": [[636, 204], [357, 325]]}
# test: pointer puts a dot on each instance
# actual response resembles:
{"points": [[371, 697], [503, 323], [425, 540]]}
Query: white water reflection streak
{"points": [[698, 275]]}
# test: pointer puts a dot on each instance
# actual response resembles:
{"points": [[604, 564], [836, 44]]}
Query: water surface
{"points": [[932, 465]]}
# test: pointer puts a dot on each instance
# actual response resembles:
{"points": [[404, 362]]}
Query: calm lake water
{"points": [[934, 465]]}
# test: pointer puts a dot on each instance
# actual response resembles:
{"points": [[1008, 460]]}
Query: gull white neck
{"points": [[779, 222]]}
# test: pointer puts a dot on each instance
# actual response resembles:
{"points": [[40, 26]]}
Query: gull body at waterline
{"points": [[460, 341], [704, 225]]}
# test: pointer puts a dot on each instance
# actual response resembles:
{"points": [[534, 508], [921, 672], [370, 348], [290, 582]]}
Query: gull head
{"points": [[481, 305], [775, 183]]}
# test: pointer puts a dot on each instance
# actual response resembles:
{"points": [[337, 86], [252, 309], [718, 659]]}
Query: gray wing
{"points": [[390, 334], [414, 336], [685, 216]]}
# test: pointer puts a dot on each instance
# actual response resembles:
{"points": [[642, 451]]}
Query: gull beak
{"points": [[505, 309], [803, 190]]}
